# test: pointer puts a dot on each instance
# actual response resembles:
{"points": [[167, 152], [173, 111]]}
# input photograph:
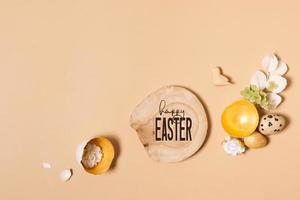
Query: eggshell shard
{"points": [[271, 124], [80, 150], [46, 165], [106, 160], [144, 116], [255, 140], [240, 119], [66, 175]]}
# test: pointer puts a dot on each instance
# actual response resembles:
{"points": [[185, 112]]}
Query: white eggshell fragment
{"points": [[80, 150], [270, 63], [271, 124], [46, 165], [65, 175], [259, 79]]}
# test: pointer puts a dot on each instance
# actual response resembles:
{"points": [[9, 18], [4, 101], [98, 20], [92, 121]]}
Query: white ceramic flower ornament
{"points": [[273, 83], [233, 146]]}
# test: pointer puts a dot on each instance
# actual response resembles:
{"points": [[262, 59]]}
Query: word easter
{"points": [[173, 127]]}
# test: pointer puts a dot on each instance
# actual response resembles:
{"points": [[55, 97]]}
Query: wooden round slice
{"points": [[171, 124]]}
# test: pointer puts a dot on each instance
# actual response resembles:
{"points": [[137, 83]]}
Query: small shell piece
{"points": [[66, 175], [80, 150], [233, 146], [107, 155], [46, 165], [255, 140]]}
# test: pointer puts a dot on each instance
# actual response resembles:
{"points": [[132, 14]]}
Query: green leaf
{"points": [[256, 96]]}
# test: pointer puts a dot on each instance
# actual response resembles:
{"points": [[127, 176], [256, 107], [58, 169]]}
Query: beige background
{"points": [[73, 69]]}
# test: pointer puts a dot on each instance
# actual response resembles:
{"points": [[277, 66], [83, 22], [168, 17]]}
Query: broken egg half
{"points": [[95, 155]]}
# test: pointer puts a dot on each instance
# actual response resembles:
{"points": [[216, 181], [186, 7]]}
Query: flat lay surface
{"points": [[74, 69]]}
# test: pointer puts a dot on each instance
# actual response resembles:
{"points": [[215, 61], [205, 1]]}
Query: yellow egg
{"points": [[255, 140], [240, 119]]}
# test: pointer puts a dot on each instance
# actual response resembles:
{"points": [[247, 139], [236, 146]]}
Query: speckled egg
{"points": [[271, 124]]}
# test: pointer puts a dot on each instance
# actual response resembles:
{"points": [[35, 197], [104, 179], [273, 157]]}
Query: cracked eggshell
{"points": [[271, 124], [108, 155], [66, 175], [80, 150]]}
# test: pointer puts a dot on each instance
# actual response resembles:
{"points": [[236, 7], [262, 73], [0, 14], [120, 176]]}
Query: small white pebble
{"points": [[46, 165], [65, 175]]}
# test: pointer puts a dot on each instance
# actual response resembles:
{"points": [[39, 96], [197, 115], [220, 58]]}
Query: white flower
{"points": [[273, 66], [273, 82], [259, 79], [233, 146], [276, 84], [274, 100], [270, 62]]}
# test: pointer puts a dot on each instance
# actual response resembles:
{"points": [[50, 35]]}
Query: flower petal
{"points": [[282, 69], [259, 79], [270, 63], [276, 84], [274, 100]]}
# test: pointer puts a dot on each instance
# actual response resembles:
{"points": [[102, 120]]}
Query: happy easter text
{"points": [[172, 125]]}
